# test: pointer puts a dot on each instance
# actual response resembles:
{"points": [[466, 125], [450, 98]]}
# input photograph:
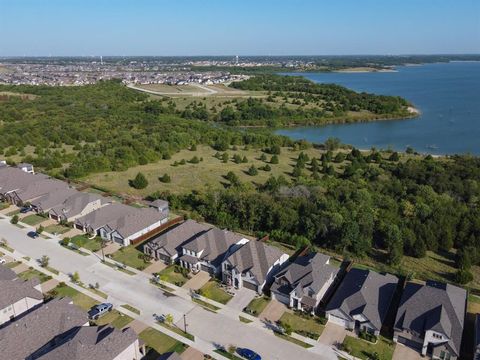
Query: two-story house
{"points": [[207, 251], [304, 282], [430, 318], [252, 266]]}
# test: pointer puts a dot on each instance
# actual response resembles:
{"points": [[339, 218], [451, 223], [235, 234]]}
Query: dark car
{"points": [[25, 210], [99, 310], [248, 354], [32, 234]]}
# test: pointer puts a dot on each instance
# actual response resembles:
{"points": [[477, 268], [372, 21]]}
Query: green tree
{"points": [[274, 160], [165, 178], [252, 171], [139, 182]]}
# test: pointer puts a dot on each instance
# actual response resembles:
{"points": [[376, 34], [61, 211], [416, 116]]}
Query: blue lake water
{"points": [[448, 96]]}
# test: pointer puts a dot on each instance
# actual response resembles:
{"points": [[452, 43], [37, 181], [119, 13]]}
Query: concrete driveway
{"points": [[191, 354], [197, 281], [241, 299], [403, 352], [155, 267], [333, 334], [273, 311]]}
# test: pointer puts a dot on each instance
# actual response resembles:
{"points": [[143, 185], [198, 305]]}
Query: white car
{"points": [[2, 261]]}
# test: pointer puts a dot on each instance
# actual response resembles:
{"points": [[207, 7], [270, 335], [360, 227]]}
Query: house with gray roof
{"points": [[430, 318], [362, 300], [13, 179], [6, 273], [92, 222], [252, 266], [209, 249], [38, 331], [167, 247], [34, 190], [134, 224], [75, 206], [46, 202], [161, 206], [25, 167], [18, 297], [98, 343], [303, 283]]}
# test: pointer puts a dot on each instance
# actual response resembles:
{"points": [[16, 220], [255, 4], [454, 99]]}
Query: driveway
{"points": [[241, 299], [197, 281], [403, 352], [109, 249], [157, 266], [332, 335], [72, 233], [273, 311], [191, 354]]}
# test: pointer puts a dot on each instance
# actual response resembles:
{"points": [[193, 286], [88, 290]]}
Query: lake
{"points": [[447, 94]]}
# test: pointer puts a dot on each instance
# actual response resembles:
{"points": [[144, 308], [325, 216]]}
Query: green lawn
{"points": [[177, 330], [293, 340], [130, 256], [131, 308], [114, 266], [31, 273], [89, 244], [6, 247], [14, 212], [213, 291], [79, 299], [206, 305], [12, 264], [114, 318], [364, 350], [305, 325], [33, 219], [244, 319], [3, 205], [170, 275], [56, 229], [161, 342], [257, 305]]}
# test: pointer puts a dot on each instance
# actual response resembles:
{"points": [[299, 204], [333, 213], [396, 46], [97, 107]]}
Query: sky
{"points": [[238, 27]]}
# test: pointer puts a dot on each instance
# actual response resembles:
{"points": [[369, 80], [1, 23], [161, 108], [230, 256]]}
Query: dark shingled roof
{"points": [[256, 257], [365, 292], [30, 333], [434, 306], [310, 271], [93, 343], [12, 291], [6, 273]]}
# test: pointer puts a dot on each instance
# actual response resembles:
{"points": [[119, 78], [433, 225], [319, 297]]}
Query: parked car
{"points": [[3, 261], [98, 311], [33, 234], [26, 209], [248, 354]]}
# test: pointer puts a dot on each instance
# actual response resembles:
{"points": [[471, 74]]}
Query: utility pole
{"points": [[101, 246], [185, 322]]}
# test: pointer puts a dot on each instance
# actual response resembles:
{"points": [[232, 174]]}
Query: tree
{"points": [[225, 158], [194, 160], [252, 171], [267, 167], [332, 143], [237, 159], [169, 319], [394, 157], [44, 260], [463, 277], [193, 147], [274, 159], [165, 178], [263, 157], [140, 181], [75, 277], [40, 229], [14, 219]]}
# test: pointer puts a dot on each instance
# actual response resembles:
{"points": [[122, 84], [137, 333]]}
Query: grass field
{"points": [[33, 219], [89, 244], [257, 305], [79, 299], [303, 324], [31, 273], [213, 291], [170, 275], [56, 229], [129, 255], [160, 342], [363, 349], [209, 172]]}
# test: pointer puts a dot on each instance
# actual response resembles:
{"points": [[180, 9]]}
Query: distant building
{"points": [[28, 168]]}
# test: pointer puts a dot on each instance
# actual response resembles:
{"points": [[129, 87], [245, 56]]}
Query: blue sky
{"points": [[243, 27]]}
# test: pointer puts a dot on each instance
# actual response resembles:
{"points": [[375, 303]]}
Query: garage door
{"points": [[79, 227], [249, 285], [206, 268], [339, 321], [410, 343], [54, 217], [118, 240], [281, 298]]}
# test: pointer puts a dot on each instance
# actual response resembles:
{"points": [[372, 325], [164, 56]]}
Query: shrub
{"points": [[140, 181], [252, 171], [274, 159], [165, 178], [463, 277], [14, 219], [194, 160]]}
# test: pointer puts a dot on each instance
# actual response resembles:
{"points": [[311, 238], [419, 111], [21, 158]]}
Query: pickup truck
{"points": [[98, 311]]}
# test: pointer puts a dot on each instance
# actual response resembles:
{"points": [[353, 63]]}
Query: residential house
{"points": [[76, 206], [17, 297], [98, 343], [168, 246], [430, 318], [362, 300], [46, 202], [208, 250], [13, 179], [6, 273], [304, 282], [92, 222], [34, 190], [38, 331], [252, 266], [133, 225]]}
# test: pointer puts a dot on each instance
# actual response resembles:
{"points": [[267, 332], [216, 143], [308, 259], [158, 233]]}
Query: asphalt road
{"points": [[208, 328]]}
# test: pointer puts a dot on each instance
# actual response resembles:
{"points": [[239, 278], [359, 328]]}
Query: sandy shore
{"points": [[364, 70], [413, 110]]}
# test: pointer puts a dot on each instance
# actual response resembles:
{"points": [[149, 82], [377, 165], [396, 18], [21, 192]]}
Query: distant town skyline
{"points": [[247, 27]]}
